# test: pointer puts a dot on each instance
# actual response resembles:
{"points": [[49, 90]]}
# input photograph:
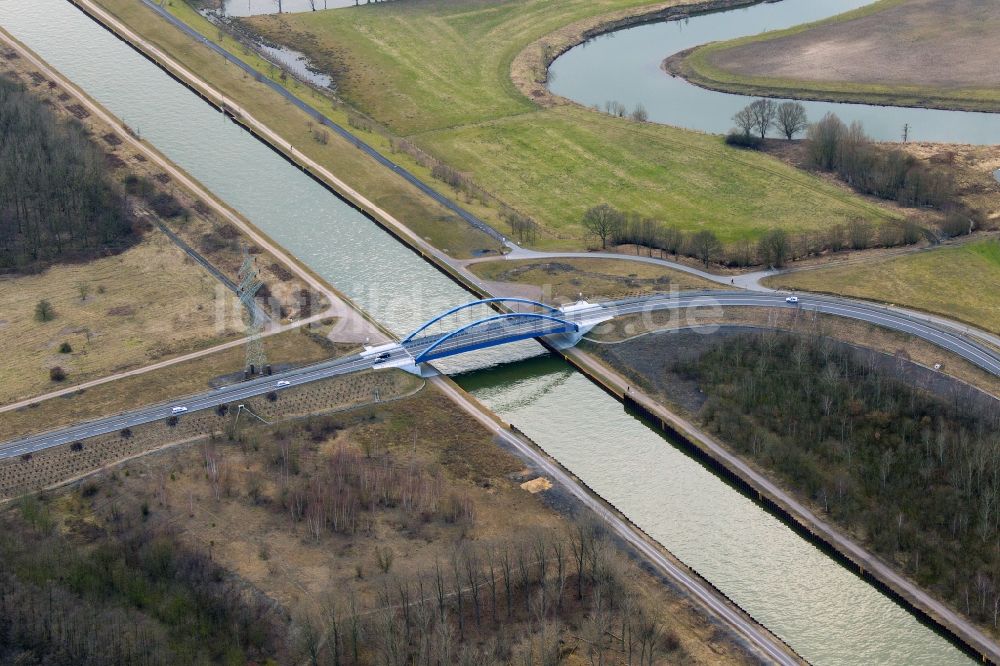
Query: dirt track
{"points": [[938, 43]]}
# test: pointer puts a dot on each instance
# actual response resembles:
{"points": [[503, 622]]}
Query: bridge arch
{"points": [[430, 322], [569, 325]]}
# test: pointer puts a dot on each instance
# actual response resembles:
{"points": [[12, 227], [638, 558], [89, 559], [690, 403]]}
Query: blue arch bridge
{"points": [[561, 327]]}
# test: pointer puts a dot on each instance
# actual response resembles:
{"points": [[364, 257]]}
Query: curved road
{"points": [[749, 281]]}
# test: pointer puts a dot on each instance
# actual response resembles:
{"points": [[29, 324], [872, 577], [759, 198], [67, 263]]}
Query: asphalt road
{"points": [[501, 332]]}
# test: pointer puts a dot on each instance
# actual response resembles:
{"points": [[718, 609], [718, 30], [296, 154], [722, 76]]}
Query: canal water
{"points": [[624, 66], [826, 613]]}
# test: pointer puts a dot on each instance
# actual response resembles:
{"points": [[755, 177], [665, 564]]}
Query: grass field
{"points": [[563, 280], [438, 73], [936, 53], [147, 303], [961, 282], [433, 222]]}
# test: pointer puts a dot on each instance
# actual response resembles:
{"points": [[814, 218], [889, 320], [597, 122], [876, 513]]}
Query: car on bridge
{"points": [[283, 383], [178, 410], [384, 356]]}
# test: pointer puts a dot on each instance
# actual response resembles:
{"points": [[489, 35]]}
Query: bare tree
{"points": [[763, 112], [744, 120], [705, 246], [775, 248], [860, 231], [603, 221], [672, 239], [791, 119], [824, 140]]}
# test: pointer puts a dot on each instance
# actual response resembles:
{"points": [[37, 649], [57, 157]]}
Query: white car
{"points": [[792, 299], [283, 383], [178, 410]]}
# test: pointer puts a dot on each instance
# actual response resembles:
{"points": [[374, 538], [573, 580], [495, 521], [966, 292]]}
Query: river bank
{"points": [[626, 65]]}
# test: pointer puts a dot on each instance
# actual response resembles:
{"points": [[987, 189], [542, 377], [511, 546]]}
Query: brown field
{"points": [[57, 465], [147, 303], [947, 44]]}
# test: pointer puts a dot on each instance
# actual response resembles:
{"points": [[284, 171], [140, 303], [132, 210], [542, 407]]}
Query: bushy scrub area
{"points": [[918, 476], [397, 533], [56, 201], [885, 173], [127, 593]]}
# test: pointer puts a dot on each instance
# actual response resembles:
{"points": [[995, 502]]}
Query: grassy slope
{"points": [[698, 67], [144, 304], [961, 282], [439, 73]]}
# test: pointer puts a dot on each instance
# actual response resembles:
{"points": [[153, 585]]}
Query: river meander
{"points": [[624, 66]]}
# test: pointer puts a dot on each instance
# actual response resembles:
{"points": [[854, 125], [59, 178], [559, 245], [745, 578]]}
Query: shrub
{"points": [[172, 421], [384, 558], [44, 311], [741, 140], [65, 348], [57, 374], [870, 169], [956, 223], [166, 205], [137, 186]]}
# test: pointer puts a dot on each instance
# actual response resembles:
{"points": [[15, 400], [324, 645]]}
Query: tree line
{"points": [[774, 247], [917, 474], [56, 201], [755, 120]]}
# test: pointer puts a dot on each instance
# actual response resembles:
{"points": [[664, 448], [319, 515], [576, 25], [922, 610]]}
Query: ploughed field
{"points": [[925, 51]]}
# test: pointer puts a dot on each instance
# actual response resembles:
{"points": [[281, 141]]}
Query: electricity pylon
{"points": [[253, 316]]}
